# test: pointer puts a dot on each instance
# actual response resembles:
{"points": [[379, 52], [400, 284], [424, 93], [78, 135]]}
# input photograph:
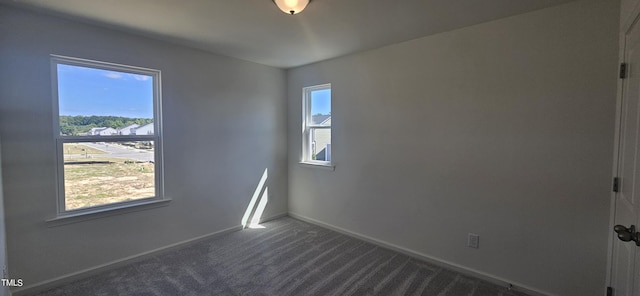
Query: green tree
{"points": [[75, 125]]}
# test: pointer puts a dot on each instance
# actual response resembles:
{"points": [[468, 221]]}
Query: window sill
{"points": [[318, 165], [70, 218]]}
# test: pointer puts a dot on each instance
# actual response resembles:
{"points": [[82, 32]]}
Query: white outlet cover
{"points": [[473, 241]]}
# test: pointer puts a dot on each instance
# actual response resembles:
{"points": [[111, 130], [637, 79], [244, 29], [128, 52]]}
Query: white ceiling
{"points": [[256, 30]]}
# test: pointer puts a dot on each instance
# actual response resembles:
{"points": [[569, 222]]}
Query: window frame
{"points": [[60, 140], [308, 127]]}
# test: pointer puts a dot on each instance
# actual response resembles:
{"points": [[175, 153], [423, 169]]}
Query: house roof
{"points": [[320, 119], [129, 126], [151, 124]]}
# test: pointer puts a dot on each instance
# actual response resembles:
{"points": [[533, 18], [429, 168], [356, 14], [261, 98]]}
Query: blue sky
{"points": [[321, 101], [89, 91]]}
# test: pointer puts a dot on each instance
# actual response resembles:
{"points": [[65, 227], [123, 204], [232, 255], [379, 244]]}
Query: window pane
{"points": [[321, 107], [107, 172], [320, 144], [104, 102]]}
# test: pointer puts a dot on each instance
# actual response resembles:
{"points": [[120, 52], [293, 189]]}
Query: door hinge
{"points": [[623, 71], [609, 291], [616, 184]]}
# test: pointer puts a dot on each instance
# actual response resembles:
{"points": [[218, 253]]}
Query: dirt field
{"points": [[106, 180], [70, 148]]}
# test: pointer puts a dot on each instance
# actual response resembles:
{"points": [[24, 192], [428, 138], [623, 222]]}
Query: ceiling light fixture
{"points": [[291, 6]]}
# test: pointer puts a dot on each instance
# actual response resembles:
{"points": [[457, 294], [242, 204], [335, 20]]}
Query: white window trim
{"points": [[307, 127], [60, 140]]}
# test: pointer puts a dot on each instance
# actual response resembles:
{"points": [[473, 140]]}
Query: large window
{"points": [[316, 146], [107, 130]]}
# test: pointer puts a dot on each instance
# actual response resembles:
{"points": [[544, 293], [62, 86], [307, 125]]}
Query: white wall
{"points": [[503, 129], [224, 123], [628, 9], [4, 291]]}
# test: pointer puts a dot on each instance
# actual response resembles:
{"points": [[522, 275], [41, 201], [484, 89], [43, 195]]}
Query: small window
{"points": [[108, 135], [316, 146]]}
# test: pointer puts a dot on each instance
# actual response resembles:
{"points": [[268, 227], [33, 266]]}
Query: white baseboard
{"points": [[52, 283], [67, 278], [436, 261], [273, 217]]}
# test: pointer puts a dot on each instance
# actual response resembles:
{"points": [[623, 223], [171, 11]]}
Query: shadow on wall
{"points": [[256, 214]]}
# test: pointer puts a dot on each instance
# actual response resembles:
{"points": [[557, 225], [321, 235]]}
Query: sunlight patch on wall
{"points": [[262, 204]]}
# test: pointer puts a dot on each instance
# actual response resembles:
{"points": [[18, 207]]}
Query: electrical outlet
{"points": [[473, 241]]}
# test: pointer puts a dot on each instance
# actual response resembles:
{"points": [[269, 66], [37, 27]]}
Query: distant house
{"points": [[102, 131], [95, 130], [321, 119], [146, 129], [128, 130], [321, 138]]}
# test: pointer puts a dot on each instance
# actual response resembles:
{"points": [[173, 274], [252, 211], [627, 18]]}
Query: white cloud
{"points": [[141, 77], [113, 75]]}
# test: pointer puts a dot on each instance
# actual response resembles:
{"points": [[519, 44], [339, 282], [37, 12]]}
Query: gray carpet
{"points": [[287, 257]]}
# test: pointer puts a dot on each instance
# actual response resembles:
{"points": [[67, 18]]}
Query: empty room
{"points": [[324, 147]]}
